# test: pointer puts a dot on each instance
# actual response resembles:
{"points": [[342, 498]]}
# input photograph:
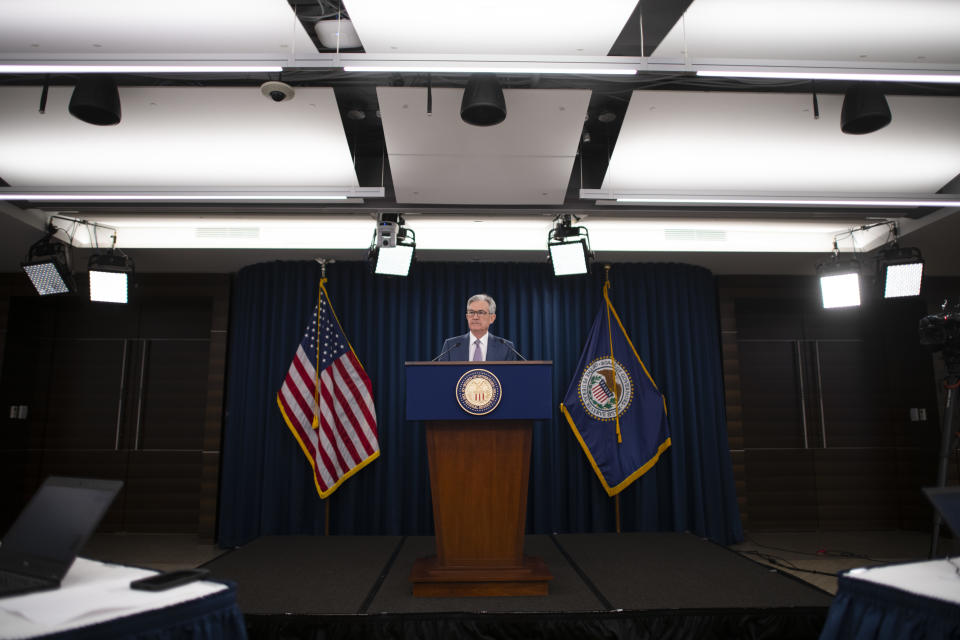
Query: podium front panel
{"points": [[526, 389]]}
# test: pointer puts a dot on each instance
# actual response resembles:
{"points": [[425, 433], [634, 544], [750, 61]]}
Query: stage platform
{"points": [[630, 585]]}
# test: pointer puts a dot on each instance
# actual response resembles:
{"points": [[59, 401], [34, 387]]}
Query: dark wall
{"points": [[818, 406], [817, 401], [132, 392]]}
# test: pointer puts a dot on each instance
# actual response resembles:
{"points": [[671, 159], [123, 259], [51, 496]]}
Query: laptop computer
{"points": [[43, 542], [946, 500]]}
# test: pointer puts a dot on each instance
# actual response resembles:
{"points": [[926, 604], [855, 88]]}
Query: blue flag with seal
{"points": [[613, 405]]}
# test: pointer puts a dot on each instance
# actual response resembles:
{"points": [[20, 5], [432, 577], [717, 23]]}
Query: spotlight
{"points": [[48, 266], [569, 247], [483, 104], [901, 272], [96, 100], [839, 282], [393, 246], [110, 276], [864, 110]]}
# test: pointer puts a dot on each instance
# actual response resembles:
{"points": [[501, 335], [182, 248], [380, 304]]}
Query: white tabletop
{"points": [[92, 592], [933, 578]]}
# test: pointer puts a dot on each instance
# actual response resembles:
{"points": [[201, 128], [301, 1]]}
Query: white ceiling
{"points": [[905, 31], [171, 29], [215, 134], [530, 27], [436, 158], [770, 142], [176, 137]]}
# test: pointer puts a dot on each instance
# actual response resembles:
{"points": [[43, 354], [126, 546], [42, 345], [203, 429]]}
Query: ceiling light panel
{"points": [[769, 143], [877, 31], [176, 136], [532, 27], [176, 29], [437, 158]]}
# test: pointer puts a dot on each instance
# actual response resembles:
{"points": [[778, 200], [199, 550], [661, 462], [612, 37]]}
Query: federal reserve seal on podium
{"points": [[478, 392]]}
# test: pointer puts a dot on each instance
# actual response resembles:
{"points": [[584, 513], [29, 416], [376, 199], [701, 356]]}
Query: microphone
{"points": [[509, 346], [452, 347]]}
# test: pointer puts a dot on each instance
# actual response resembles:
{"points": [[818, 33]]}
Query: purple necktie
{"points": [[477, 354]]}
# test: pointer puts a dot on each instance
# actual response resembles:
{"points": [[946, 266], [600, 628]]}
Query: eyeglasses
{"points": [[480, 313]]}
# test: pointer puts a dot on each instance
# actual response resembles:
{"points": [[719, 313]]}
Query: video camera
{"points": [[941, 331]]}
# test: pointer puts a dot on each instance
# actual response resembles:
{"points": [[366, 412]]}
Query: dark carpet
{"points": [[634, 585]]}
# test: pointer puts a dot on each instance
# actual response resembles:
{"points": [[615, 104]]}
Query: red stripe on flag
{"points": [[344, 423], [329, 427], [364, 421]]}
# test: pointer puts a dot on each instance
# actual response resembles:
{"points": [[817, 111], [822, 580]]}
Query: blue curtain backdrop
{"points": [[669, 311]]}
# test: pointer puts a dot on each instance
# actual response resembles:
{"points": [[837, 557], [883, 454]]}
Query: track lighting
{"points": [[864, 110], [391, 252], [839, 281], [48, 265], [569, 247], [96, 100], [483, 104], [110, 274]]}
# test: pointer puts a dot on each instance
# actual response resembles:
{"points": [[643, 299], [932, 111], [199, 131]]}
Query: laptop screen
{"points": [[57, 522], [947, 502]]}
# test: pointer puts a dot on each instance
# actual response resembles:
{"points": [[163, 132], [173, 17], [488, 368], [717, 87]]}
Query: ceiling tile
{"points": [[526, 159], [181, 27], [914, 31], [532, 27], [738, 142], [176, 136]]}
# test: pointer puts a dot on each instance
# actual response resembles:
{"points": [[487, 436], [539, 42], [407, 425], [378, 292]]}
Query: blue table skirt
{"points": [[864, 609], [213, 617]]}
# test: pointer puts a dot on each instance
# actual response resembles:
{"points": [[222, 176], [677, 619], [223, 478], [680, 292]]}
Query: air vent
{"points": [[695, 235], [228, 232]]}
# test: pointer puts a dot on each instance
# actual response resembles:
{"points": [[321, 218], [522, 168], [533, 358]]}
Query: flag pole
{"points": [[616, 399], [616, 511], [613, 362], [323, 262]]}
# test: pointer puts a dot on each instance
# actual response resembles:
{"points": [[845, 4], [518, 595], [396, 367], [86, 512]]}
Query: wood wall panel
{"points": [[770, 388], [79, 365], [781, 489], [172, 409], [857, 489], [84, 394], [163, 489], [863, 461]]}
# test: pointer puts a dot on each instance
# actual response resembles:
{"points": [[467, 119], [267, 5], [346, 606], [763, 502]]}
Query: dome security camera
{"points": [[277, 91]]}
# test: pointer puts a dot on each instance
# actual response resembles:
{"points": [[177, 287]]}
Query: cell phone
{"points": [[168, 579]]}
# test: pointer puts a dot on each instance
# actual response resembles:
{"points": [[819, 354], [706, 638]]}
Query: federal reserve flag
{"points": [[327, 401], [613, 405]]}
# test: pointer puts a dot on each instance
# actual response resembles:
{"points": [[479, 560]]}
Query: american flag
{"points": [[331, 415]]}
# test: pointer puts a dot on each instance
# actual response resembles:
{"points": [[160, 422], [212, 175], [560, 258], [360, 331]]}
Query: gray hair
{"points": [[482, 297]]}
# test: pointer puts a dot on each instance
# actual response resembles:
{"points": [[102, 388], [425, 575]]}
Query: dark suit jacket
{"points": [[497, 348]]}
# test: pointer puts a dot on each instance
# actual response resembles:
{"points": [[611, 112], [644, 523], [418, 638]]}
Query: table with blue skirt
{"points": [[95, 601], [893, 602]]}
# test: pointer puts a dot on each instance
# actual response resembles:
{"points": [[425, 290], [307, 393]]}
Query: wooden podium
{"points": [[479, 473]]}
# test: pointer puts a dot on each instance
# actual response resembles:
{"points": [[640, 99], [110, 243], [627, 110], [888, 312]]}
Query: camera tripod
{"points": [[951, 383]]}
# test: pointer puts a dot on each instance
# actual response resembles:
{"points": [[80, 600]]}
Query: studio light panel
{"points": [[902, 280], [46, 278], [841, 290], [394, 261]]}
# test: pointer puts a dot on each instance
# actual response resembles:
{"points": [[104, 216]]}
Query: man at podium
{"points": [[478, 344]]}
